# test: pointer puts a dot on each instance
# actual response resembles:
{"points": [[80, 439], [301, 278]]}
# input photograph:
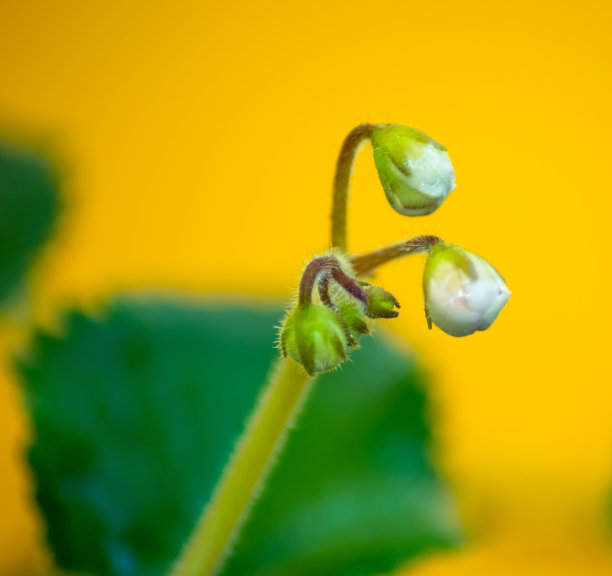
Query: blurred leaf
{"points": [[29, 203], [136, 414]]}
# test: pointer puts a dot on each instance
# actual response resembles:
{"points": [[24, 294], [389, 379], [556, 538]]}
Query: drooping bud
{"points": [[314, 336], [415, 170], [380, 303], [463, 292]]}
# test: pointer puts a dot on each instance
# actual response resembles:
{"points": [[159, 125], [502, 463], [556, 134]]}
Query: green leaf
{"points": [[29, 203], [135, 414]]}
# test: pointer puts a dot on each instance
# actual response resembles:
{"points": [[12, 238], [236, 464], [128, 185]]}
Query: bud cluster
{"points": [[463, 292], [318, 334]]}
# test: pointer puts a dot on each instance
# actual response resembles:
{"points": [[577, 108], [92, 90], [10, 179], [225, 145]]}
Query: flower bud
{"points": [[415, 170], [354, 318], [463, 292], [380, 303], [315, 337]]}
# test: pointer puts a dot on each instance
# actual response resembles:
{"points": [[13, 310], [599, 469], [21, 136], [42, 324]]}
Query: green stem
{"points": [[245, 473], [344, 168]]}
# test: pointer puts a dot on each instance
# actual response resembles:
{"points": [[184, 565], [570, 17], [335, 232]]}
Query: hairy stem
{"points": [[324, 291], [364, 264], [344, 168], [245, 473]]}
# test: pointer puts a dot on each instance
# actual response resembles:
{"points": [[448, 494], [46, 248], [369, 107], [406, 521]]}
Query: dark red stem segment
{"points": [[350, 285], [324, 291], [320, 269]]}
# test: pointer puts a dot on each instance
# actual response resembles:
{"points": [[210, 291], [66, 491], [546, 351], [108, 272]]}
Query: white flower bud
{"points": [[415, 170], [463, 292]]}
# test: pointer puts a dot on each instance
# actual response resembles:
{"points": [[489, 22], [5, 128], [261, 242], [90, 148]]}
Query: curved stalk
{"points": [[327, 265], [344, 168], [245, 473], [364, 264]]}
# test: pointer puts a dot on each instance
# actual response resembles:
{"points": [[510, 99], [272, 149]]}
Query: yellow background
{"points": [[200, 140]]}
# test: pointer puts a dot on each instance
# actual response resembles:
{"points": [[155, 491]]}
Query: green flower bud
{"points": [[380, 303], [463, 292], [314, 336], [415, 170], [353, 316]]}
